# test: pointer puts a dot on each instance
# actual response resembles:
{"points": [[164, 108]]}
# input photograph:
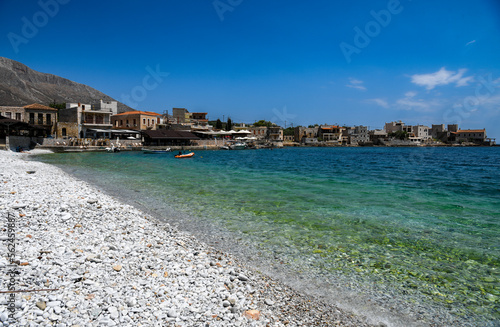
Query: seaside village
{"points": [[99, 126]]}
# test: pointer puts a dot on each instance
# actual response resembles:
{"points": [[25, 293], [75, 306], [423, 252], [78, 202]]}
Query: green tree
{"points": [[57, 105], [262, 122], [289, 131], [218, 124], [229, 124], [402, 135]]}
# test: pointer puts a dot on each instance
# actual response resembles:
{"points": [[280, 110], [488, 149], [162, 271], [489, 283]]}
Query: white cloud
{"points": [[410, 102], [470, 42], [356, 84], [381, 102], [492, 101], [441, 77], [465, 81]]}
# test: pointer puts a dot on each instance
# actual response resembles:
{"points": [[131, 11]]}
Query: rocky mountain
{"points": [[21, 85]]}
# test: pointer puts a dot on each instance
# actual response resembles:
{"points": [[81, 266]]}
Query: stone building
{"points": [[477, 136], [259, 132], [421, 132], [136, 120], [306, 135], [355, 135], [34, 114], [80, 120], [330, 134], [271, 133]]}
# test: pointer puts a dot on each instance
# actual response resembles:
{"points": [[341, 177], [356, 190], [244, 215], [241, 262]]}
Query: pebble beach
{"points": [[83, 258]]}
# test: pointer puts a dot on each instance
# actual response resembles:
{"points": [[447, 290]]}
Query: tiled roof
{"points": [[471, 131], [150, 113], [38, 106]]}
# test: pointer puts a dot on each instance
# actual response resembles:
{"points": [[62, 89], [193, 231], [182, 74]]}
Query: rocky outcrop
{"points": [[21, 85]]}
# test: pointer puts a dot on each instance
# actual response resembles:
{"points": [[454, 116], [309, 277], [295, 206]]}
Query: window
{"points": [[88, 119], [135, 122], [32, 118], [144, 121], [18, 116], [49, 119], [40, 119], [63, 131], [8, 115], [116, 123]]}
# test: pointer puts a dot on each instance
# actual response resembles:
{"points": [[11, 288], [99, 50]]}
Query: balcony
{"points": [[98, 119]]}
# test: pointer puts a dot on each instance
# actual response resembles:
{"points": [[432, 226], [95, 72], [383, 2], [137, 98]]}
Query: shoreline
{"points": [[101, 255], [285, 145]]}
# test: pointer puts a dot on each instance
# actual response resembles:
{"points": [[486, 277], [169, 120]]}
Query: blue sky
{"points": [[336, 62]]}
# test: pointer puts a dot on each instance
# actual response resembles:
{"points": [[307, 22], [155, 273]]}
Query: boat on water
{"points": [[148, 151], [238, 146], [113, 149], [187, 155], [224, 147]]}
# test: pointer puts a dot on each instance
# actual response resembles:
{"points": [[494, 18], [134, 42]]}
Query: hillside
{"points": [[21, 85]]}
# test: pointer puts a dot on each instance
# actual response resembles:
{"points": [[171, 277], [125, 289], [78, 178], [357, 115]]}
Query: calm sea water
{"points": [[402, 234]]}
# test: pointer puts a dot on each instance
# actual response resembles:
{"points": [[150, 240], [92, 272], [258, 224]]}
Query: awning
{"points": [[99, 130], [246, 138], [124, 131]]}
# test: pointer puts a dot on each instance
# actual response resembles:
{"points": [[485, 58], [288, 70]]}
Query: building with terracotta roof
{"points": [[34, 114], [136, 120], [330, 133], [471, 135]]}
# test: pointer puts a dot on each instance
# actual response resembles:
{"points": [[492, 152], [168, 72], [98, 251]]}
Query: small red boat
{"points": [[187, 155]]}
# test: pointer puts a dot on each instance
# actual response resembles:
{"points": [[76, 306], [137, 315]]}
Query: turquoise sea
{"points": [[407, 236]]}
